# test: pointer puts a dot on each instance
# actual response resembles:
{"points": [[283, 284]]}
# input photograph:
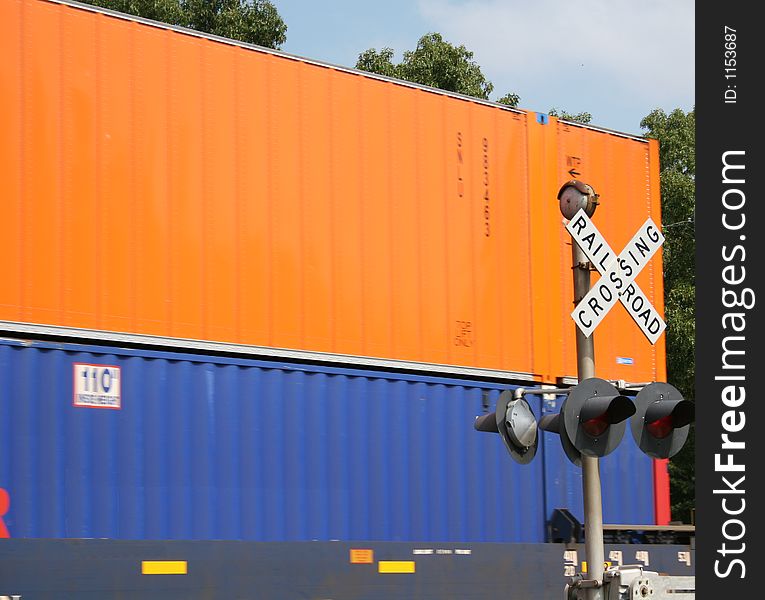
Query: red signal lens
{"points": [[661, 428], [595, 427]]}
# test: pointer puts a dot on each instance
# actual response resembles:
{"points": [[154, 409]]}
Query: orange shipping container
{"points": [[158, 182]]}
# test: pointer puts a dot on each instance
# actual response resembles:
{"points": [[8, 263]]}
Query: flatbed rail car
{"points": [[188, 570]]}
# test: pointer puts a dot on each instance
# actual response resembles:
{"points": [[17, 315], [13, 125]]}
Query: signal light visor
{"points": [[599, 412]]}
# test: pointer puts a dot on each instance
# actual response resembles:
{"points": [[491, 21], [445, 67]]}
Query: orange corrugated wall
{"points": [[160, 183]]}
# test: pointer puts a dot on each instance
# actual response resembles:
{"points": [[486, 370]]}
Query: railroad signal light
{"points": [[514, 421], [592, 419], [556, 424], [574, 195], [662, 420]]}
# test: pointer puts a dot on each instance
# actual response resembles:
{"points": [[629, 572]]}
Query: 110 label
{"points": [[97, 386]]}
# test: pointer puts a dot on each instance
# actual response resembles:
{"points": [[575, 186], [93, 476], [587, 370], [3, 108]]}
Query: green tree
{"points": [[582, 117], [436, 63], [677, 157], [380, 62], [251, 21], [510, 99]]}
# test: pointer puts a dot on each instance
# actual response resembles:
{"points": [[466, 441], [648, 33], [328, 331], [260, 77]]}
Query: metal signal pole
{"points": [[593, 505], [573, 196]]}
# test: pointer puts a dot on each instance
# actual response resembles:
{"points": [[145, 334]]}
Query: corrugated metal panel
{"points": [[621, 171], [627, 484], [218, 448], [160, 183]]}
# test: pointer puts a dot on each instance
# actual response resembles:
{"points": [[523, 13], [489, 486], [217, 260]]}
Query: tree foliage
{"points": [[677, 156], [251, 21], [510, 99], [582, 117], [380, 62], [436, 63]]}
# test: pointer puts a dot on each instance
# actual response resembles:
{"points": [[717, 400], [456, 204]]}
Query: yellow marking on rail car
{"points": [[164, 567], [395, 566], [362, 556]]}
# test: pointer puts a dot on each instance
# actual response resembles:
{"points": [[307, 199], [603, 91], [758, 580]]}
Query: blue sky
{"points": [[616, 59]]}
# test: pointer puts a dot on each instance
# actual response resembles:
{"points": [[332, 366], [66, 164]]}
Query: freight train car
{"points": [[254, 298], [99, 569], [140, 473], [100, 442], [171, 187]]}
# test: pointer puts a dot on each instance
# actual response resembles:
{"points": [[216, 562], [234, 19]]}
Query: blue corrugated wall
{"points": [[216, 448], [626, 477]]}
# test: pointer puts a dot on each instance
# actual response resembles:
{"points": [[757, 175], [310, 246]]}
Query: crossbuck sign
{"points": [[617, 276]]}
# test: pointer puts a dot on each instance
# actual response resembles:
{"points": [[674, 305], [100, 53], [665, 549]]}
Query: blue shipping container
{"points": [[139, 444]]}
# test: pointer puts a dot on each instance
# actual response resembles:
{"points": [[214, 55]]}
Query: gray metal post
{"points": [[593, 505]]}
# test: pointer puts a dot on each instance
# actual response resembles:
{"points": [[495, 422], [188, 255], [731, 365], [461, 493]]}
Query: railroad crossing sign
{"points": [[617, 276]]}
